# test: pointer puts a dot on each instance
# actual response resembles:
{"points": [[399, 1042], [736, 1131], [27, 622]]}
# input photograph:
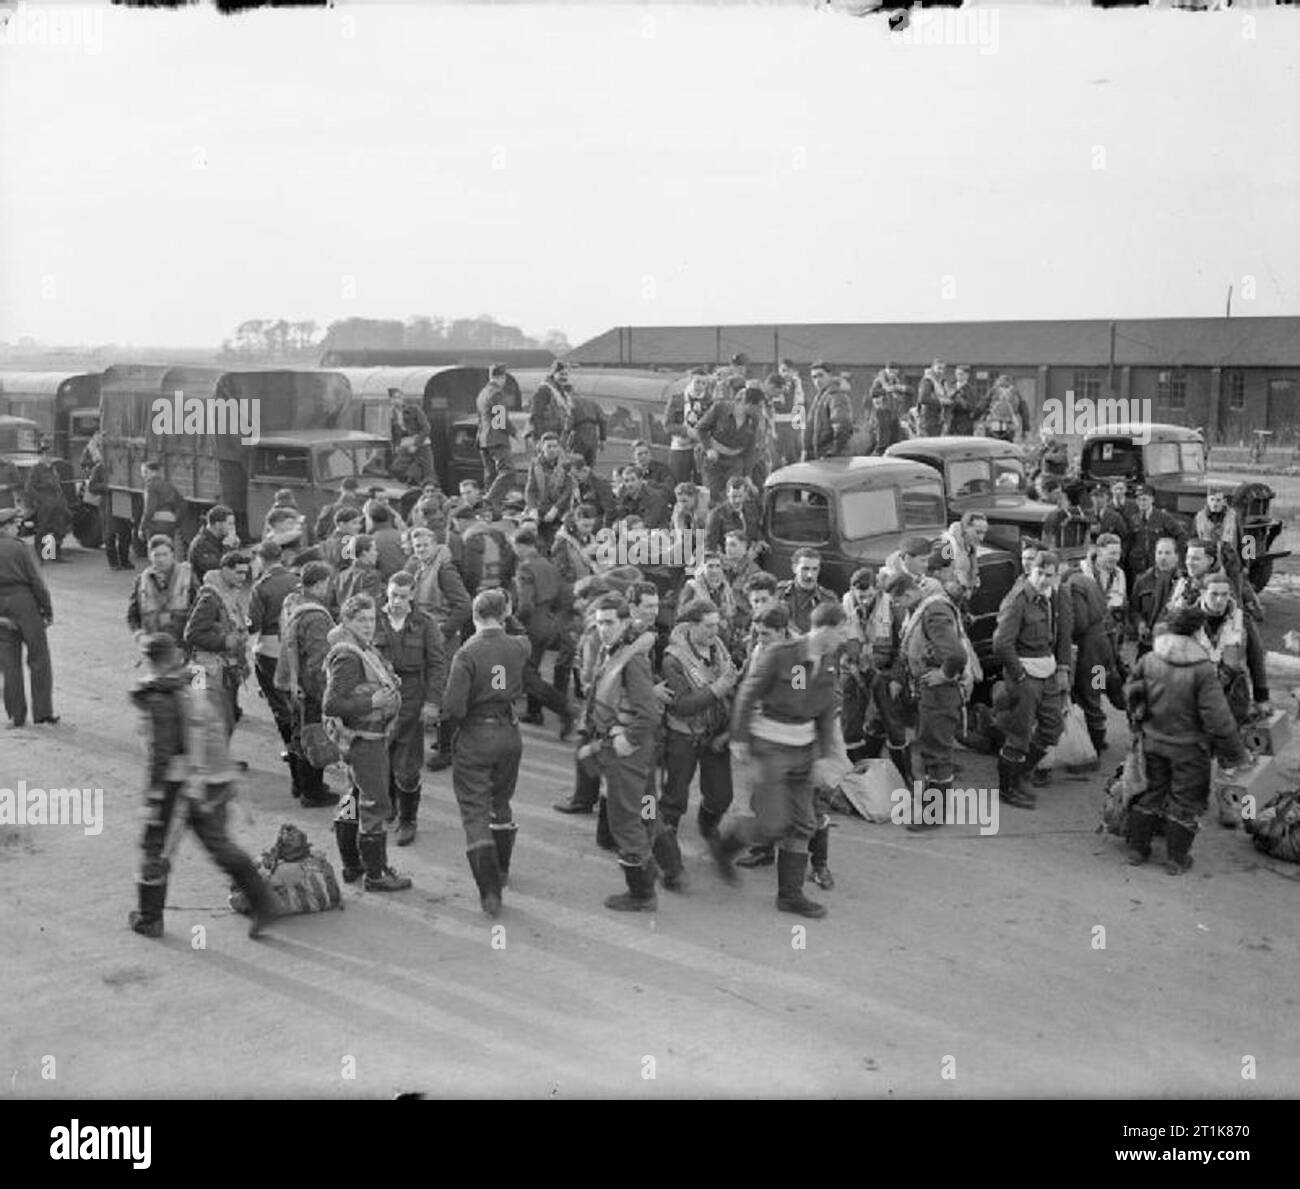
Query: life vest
{"points": [[429, 597], [1225, 533], [377, 676], [1228, 651], [702, 674], [291, 614], [917, 649], [165, 610], [608, 689], [964, 559], [1112, 584]]}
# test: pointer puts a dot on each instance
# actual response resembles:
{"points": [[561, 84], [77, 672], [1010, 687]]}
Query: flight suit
{"points": [[486, 679], [622, 702], [536, 601], [417, 657], [494, 432], [264, 605]]}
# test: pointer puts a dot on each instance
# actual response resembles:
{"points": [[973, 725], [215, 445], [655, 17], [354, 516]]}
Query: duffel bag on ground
{"points": [[1276, 831], [301, 880]]}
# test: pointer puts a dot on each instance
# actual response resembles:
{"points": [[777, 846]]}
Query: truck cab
{"points": [[313, 464], [1173, 459], [20, 439], [856, 511], [989, 476]]}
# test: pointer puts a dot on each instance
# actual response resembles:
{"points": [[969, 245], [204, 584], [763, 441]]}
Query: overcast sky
{"points": [[588, 166]]}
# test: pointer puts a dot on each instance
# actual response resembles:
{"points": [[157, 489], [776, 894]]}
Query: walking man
{"points": [[1033, 642], [785, 714], [187, 740], [621, 718], [486, 679], [411, 642]]}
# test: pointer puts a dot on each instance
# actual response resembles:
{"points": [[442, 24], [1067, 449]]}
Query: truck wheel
{"points": [[1261, 572], [86, 527]]}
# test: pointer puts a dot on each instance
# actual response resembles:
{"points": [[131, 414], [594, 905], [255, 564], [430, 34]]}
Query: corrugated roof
{"points": [[1164, 342]]}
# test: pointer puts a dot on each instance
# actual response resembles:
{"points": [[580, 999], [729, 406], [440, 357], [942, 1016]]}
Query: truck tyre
{"points": [[1261, 572], [86, 526]]}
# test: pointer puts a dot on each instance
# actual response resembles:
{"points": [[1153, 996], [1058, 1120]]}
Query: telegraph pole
{"points": [[1110, 367]]}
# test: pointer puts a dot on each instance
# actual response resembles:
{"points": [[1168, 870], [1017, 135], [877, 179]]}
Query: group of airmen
{"points": [[375, 636]]}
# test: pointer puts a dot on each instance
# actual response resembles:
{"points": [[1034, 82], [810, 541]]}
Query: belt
{"points": [[508, 720]]}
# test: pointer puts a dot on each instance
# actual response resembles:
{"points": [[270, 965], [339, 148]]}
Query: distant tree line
{"points": [[261, 339]]}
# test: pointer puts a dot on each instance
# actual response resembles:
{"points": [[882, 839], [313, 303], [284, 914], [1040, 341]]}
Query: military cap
{"points": [[915, 546]]}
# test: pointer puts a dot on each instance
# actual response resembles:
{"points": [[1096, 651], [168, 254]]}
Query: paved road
{"points": [[977, 952]]}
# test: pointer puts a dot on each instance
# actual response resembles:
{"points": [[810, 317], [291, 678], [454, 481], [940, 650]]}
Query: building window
{"points": [[1236, 389], [1172, 390], [983, 382], [1087, 386]]}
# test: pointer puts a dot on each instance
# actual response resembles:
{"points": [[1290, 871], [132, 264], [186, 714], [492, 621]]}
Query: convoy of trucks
{"points": [[238, 435]]}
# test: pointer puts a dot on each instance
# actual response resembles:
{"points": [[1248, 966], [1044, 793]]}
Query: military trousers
{"points": [[938, 717], [485, 770], [19, 606], [626, 781], [368, 803], [1033, 715], [1178, 783], [782, 797], [683, 755]]}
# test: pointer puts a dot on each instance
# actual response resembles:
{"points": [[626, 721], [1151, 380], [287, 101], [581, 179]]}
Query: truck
{"points": [[856, 511], [304, 441], [989, 476], [1173, 461], [65, 409]]}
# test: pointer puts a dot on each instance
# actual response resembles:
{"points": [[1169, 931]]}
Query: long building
{"points": [[1227, 375]]}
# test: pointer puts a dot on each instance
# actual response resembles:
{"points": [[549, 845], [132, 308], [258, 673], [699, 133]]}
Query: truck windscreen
{"points": [[338, 462]]}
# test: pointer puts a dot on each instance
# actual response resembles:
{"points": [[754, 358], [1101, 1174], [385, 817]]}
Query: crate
{"points": [[1262, 782], [1270, 735]]}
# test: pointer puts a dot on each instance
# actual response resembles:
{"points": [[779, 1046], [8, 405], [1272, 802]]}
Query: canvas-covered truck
{"points": [[64, 405], [442, 394], [65, 409], [1173, 460], [235, 438], [856, 511], [20, 438]]}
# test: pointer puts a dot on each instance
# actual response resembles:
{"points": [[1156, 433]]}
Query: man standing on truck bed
{"points": [[585, 428], [830, 418], [409, 430], [1148, 526], [494, 427]]}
